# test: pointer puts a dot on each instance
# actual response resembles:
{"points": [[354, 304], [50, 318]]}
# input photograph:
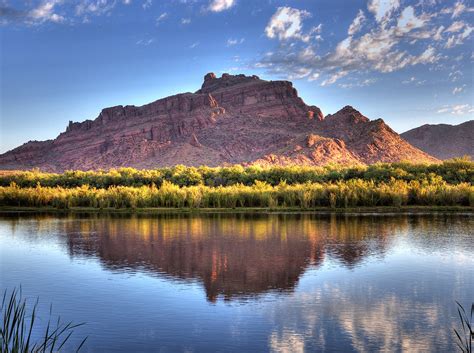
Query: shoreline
{"points": [[465, 210]]}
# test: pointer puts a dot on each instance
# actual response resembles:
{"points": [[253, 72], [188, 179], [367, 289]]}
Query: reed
{"points": [[340, 194], [465, 335], [17, 325]]}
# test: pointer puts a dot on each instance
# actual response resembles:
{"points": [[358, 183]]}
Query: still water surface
{"points": [[246, 283]]}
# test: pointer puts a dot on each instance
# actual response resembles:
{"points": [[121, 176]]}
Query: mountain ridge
{"points": [[234, 119], [443, 141]]}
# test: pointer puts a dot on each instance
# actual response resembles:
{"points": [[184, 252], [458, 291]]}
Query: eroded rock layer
{"points": [[234, 119]]}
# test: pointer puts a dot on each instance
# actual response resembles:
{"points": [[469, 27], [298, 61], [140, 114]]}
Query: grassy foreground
{"points": [[382, 185], [18, 321]]}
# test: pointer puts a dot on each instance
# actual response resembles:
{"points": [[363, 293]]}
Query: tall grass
{"points": [[397, 184], [341, 194], [466, 334], [17, 325]]}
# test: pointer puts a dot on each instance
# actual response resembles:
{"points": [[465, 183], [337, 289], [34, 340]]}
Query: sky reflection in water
{"points": [[281, 283]]}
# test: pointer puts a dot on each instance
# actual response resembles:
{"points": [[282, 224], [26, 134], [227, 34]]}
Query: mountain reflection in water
{"points": [[230, 255], [271, 282], [233, 255]]}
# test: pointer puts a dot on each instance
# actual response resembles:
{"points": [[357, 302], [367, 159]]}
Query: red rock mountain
{"points": [[444, 141], [234, 119]]}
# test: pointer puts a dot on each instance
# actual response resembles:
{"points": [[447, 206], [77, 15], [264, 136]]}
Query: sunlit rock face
{"points": [[232, 119]]}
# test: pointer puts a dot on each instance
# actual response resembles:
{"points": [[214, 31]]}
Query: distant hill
{"points": [[234, 119], [443, 141]]}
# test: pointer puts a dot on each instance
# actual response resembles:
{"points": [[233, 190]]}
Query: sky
{"points": [[409, 62]]}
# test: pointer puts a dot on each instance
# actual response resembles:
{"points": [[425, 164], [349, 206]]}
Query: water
{"points": [[243, 283]]}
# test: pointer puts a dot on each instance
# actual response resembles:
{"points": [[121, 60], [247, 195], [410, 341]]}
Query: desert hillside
{"points": [[234, 119], [443, 141]]}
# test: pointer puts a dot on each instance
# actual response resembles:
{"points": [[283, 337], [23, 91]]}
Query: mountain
{"points": [[234, 119], [443, 141]]}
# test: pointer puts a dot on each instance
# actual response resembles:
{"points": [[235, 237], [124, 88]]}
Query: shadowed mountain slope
{"points": [[444, 141]]}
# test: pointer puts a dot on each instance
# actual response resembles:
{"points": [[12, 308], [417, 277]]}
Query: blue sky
{"points": [[408, 62]]}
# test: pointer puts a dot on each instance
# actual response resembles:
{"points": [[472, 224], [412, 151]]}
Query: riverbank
{"points": [[395, 186], [467, 210]]}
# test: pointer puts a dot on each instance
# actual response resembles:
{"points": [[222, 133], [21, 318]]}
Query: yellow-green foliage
{"points": [[339, 194], [453, 172], [396, 184]]}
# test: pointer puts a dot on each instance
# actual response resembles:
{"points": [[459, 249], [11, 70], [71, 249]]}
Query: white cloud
{"points": [[45, 12], [314, 76], [458, 109], [377, 49], [386, 47], [145, 42], [185, 21], [313, 33], [408, 21], [286, 23], [307, 54], [333, 78], [161, 18], [414, 81], [231, 42], [458, 39], [94, 7], [300, 73], [363, 83], [438, 34], [221, 5], [147, 4], [456, 26], [356, 25], [194, 45], [382, 9], [457, 90], [455, 76], [457, 10], [467, 32], [429, 56]]}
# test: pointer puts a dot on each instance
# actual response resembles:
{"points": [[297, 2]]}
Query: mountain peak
{"points": [[213, 83], [232, 119], [209, 76], [348, 109], [348, 115]]}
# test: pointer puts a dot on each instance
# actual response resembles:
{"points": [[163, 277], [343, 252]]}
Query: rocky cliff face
{"points": [[234, 119], [443, 141]]}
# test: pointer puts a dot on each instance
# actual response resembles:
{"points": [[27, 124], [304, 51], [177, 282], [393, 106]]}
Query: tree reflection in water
{"points": [[234, 256], [358, 304]]}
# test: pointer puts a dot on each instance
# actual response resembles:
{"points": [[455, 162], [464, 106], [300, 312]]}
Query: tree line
{"points": [[453, 171]]}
